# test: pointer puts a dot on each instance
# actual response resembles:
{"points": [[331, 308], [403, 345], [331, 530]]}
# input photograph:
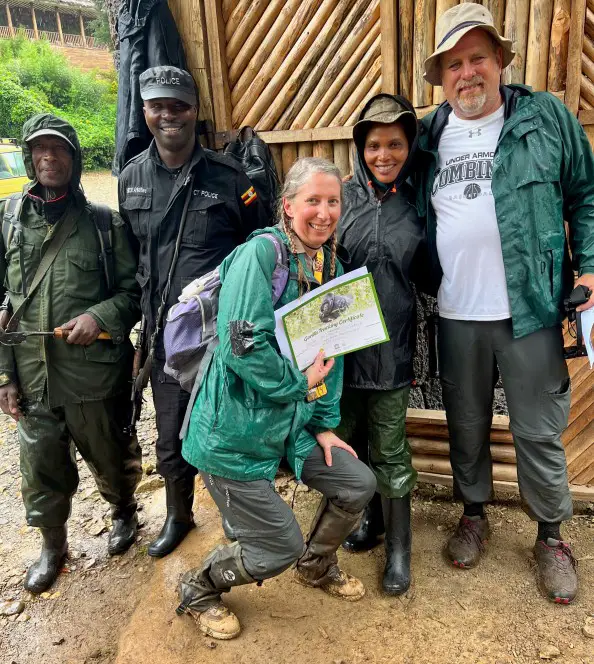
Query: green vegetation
{"points": [[100, 25], [37, 79]]}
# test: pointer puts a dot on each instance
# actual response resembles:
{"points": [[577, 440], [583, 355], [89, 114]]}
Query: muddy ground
{"points": [[121, 610]]}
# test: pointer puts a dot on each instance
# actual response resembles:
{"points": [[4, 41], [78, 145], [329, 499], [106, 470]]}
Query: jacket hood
{"points": [[57, 126], [405, 114]]}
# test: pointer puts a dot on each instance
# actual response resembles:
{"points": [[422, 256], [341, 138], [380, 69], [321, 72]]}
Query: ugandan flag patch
{"points": [[249, 196]]}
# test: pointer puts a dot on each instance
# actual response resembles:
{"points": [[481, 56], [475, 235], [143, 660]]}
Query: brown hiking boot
{"points": [[465, 546], [218, 622], [339, 584], [557, 576]]}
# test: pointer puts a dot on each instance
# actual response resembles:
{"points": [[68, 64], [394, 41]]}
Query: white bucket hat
{"points": [[452, 26]]}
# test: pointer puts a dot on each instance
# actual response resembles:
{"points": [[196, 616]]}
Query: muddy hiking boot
{"points": [[370, 528], [200, 591], [318, 566], [396, 580], [556, 570], [179, 520], [44, 571], [465, 546], [123, 531]]}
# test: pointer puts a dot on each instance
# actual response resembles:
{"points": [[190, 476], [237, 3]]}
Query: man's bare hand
{"points": [[586, 280], [4, 318], [9, 395], [84, 330]]}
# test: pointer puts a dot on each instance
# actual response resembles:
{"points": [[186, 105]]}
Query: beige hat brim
{"points": [[433, 70]]}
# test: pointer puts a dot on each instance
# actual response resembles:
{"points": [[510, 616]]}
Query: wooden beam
{"points": [[578, 492], [9, 19], [389, 45], [215, 31], [424, 40], [441, 7], [82, 30], [539, 35], [59, 22], [574, 56], [517, 14], [34, 21], [421, 416], [406, 20], [557, 76], [586, 117], [190, 21]]}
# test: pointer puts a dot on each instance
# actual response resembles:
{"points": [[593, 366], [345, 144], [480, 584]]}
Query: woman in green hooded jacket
{"points": [[252, 411]]}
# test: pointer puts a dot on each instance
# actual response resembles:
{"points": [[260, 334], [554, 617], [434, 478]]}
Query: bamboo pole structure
{"points": [[289, 156], [355, 100], [227, 7], [340, 66], [189, 18], [497, 9], [574, 56], [389, 45], [236, 17], [539, 34], [341, 157], [587, 89], [59, 22], [441, 7], [559, 45], [588, 47], [274, 15], [36, 30], [352, 150], [424, 40], [585, 105], [360, 60], [517, 18], [406, 46], [499, 452], [344, 92], [305, 149], [293, 71], [376, 88], [323, 149], [80, 22], [294, 41], [218, 65], [314, 65], [441, 432], [505, 472], [276, 150], [242, 24], [9, 20], [590, 21]]}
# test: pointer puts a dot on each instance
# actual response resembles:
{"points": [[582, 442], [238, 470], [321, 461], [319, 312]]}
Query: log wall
{"points": [[300, 71]]}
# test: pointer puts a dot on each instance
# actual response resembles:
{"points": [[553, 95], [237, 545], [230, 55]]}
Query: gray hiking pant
{"points": [[265, 526], [536, 385]]}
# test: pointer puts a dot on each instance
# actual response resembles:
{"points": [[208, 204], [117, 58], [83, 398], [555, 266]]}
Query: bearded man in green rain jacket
{"points": [[69, 393]]}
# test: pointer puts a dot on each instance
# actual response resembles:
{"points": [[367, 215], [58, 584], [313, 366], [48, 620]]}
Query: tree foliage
{"points": [[36, 79], [99, 26]]}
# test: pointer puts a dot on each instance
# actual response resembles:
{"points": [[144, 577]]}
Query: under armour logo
{"points": [[473, 132]]}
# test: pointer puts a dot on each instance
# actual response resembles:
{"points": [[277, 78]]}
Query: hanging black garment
{"points": [[148, 38]]}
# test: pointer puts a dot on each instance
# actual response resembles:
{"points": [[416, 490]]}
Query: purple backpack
{"points": [[190, 334]]}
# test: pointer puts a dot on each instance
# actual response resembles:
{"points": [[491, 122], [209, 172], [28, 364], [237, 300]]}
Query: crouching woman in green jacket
{"points": [[252, 410]]}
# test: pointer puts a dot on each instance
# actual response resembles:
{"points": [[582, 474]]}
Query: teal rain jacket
{"points": [[251, 409]]}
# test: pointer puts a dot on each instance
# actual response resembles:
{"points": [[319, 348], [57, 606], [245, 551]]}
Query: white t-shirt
{"points": [[468, 242]]}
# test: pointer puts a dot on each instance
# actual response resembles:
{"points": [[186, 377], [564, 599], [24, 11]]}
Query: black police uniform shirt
{"points": [[223, 210]]}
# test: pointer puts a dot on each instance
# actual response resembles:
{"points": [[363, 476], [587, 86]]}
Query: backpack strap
{"points": [[102, 218], [280, 276], [11, 226]]}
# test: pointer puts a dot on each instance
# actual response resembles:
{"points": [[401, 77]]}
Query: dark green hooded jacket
{"points": [[543, 174], [75, 284]]}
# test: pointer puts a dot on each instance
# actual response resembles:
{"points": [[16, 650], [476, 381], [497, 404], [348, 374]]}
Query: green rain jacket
{"points": [[251, 409], [543, 173], [74, 284]]}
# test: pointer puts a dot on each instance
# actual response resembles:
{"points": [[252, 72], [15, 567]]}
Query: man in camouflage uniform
{"points": [[67, 394]]}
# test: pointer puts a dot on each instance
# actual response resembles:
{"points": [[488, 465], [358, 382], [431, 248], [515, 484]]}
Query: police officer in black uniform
{"points": [[223, 210]]}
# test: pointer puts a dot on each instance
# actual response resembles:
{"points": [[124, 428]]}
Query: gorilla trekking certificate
{"points": [[339, 317]]}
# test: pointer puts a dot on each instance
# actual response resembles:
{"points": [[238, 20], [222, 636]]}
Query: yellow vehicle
{"points": [[12, 168]]}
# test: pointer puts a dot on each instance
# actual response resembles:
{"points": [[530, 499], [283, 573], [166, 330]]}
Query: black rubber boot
{"points": [[179, 521], [123, 530], [367, 533], [396, 579], [44, 571]]}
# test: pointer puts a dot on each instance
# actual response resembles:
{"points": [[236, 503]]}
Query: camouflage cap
{"points": [[168, 82]]}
